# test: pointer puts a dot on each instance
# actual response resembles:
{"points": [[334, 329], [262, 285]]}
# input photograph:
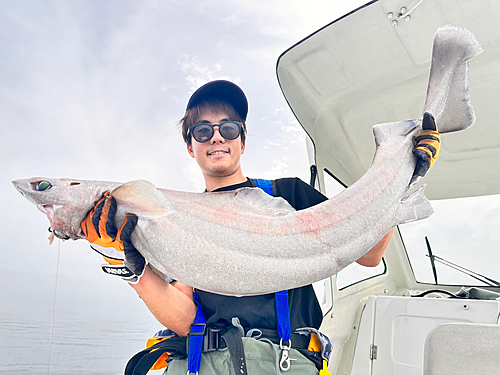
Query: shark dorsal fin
{"points": [[141, 198]]}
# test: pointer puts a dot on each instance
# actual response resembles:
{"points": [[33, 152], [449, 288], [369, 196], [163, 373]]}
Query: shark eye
{"points": [[43, 185]]}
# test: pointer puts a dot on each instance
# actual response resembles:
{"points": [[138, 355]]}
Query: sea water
{"points": [[30, 344]]}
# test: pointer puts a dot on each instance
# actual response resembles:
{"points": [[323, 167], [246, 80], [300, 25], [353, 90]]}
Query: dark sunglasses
{"points": [[202, 133]]}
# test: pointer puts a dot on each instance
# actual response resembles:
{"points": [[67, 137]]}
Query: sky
{"points": [[94, 90]]}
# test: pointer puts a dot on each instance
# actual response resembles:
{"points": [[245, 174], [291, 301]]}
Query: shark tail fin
{"points": [[141, 198], [414, 207], [448, 89]]}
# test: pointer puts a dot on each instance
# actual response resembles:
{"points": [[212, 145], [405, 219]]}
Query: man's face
{"points": [[218, 157]]}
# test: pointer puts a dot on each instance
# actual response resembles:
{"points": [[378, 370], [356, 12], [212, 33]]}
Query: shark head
{"points": [[65, 201]]}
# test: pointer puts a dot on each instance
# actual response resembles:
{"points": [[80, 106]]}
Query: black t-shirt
{"points": [[260, 311]]}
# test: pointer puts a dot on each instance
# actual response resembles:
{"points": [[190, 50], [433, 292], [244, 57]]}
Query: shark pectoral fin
{"points": [[390, 130], [414, 207], [141, 198]]}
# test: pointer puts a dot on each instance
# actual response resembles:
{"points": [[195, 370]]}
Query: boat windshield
{"points": [[464, 232]]}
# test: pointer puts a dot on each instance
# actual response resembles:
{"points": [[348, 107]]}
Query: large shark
{"points": [[245, 242]]}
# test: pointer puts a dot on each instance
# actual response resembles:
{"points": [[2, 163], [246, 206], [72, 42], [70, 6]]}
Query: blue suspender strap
{"points": [[196, 337], [266, 185], [283, 315], [282, 310]]}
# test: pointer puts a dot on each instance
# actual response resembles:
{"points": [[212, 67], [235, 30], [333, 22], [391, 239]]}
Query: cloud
{"points": [[197, 74], [192, 173], [294, 20], [236, 20]]}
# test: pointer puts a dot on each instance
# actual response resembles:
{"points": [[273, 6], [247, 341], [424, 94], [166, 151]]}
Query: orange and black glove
{"points": [[427, 143], [113, 244]]}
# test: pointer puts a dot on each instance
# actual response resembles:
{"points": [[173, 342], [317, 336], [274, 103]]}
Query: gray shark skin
{"points": [[245, 242]]}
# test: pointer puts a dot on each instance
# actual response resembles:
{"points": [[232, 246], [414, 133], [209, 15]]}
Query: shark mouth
{"points": [[47, 209]]}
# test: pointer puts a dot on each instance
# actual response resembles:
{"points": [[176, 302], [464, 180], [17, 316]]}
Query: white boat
{"points": [[371, 66]]}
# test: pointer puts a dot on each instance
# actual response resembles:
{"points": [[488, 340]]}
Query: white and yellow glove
{"points": [[114, 244]]}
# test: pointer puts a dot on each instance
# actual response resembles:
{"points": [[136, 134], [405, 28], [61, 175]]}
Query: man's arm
{"points": [[373, 257], [171, 304], [427, 143]]}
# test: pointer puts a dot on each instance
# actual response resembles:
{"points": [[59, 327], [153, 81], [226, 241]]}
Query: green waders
{"points": [[261, 359]]}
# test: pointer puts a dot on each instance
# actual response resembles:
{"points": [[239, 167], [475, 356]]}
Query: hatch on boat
{"points": [[368, 67]]}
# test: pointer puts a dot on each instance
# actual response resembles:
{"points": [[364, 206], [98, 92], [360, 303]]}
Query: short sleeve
{"points": [[299, 194]]}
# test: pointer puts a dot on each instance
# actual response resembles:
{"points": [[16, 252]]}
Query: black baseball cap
{"points": [[224, 91]]}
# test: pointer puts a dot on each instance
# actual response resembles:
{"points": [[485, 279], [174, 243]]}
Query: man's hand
{"points": [[427, 143], [113, 244]]}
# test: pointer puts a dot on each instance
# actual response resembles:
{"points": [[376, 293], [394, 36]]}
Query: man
{"points": [[214, 130]]}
